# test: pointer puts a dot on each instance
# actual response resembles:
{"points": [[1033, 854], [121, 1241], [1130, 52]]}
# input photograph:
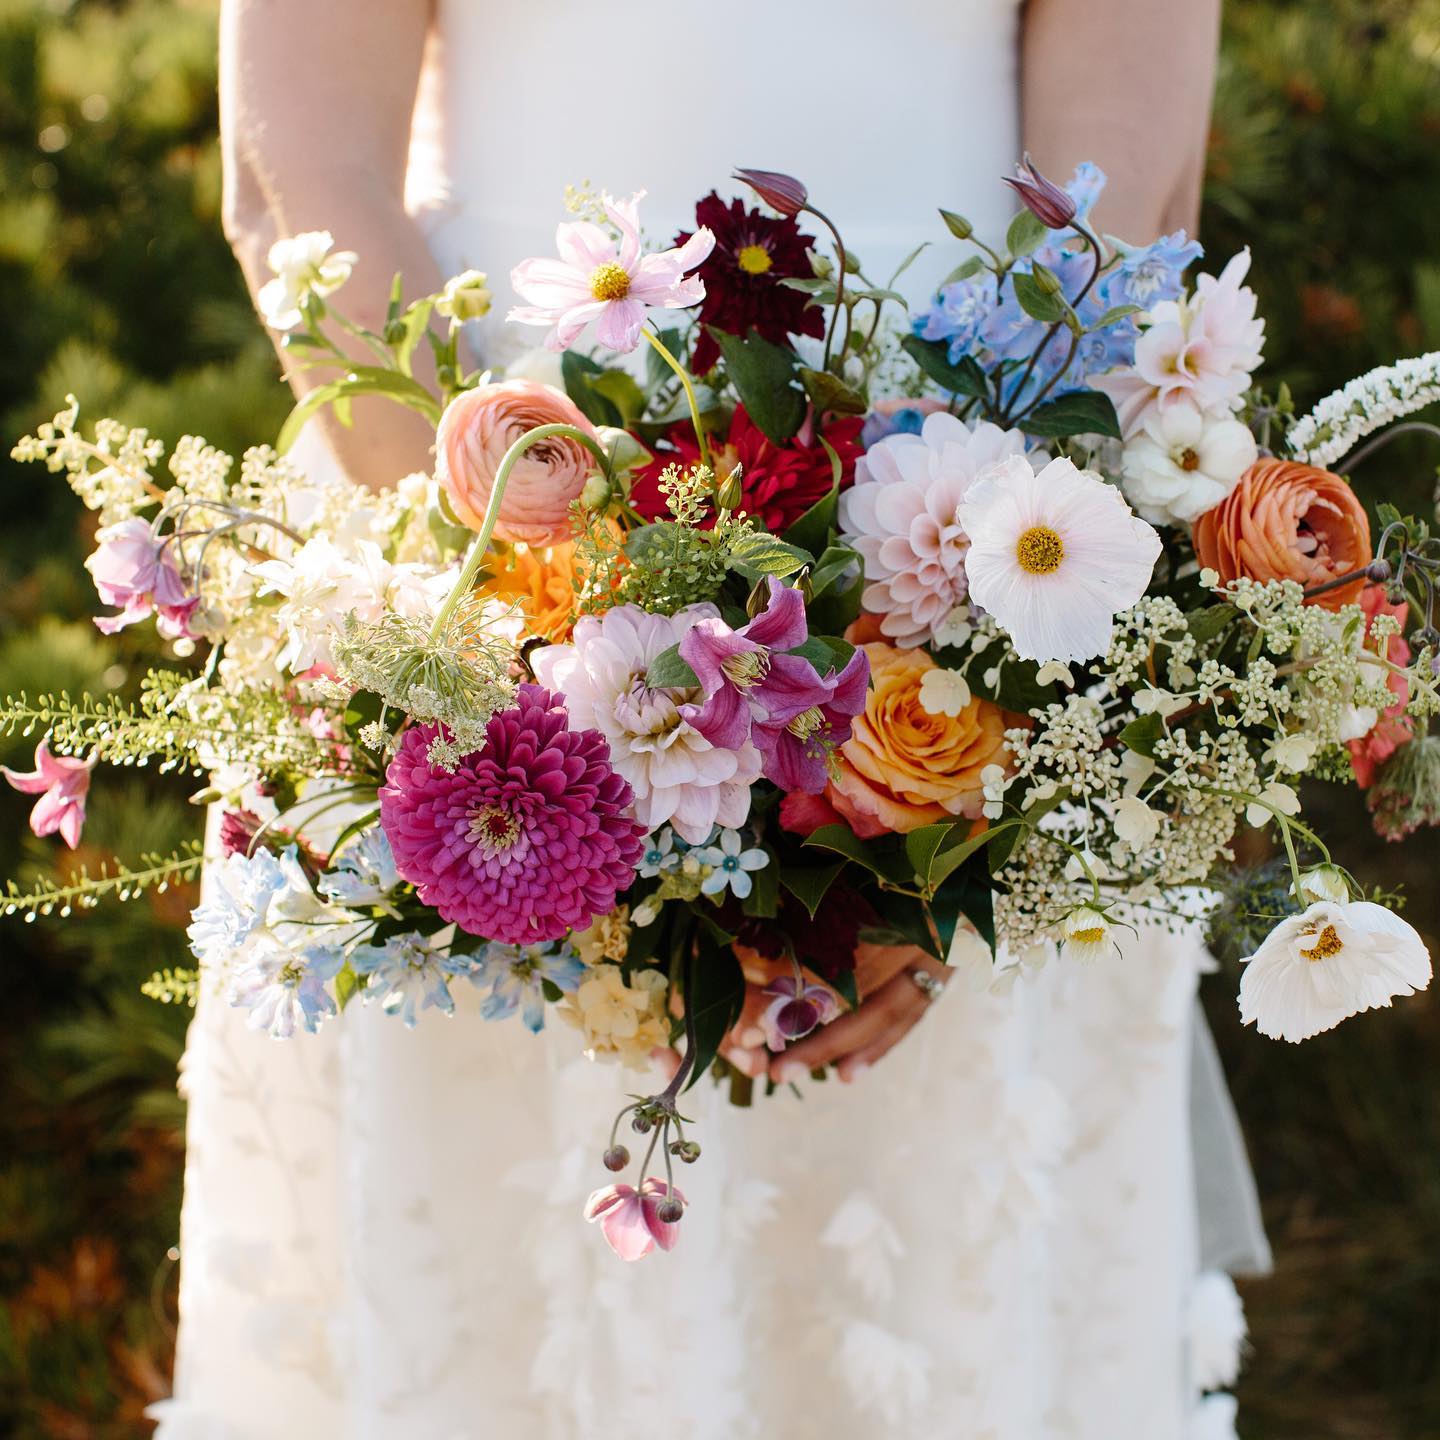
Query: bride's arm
{"points": [[1127, 84], [316, 99]]}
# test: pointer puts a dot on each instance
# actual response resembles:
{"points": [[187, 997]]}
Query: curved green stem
{"points": [[662, 350], [481, 543]]}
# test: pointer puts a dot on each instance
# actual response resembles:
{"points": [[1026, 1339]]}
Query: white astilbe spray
{"points": [[1367, 404]]}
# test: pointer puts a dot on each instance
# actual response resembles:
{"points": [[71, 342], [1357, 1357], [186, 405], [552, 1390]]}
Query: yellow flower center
{"points": [[1327, 943], [1093, 936], [610, 282], [807, 723], [747, 668], [1039, 550], [493, 829], [753, 259]]}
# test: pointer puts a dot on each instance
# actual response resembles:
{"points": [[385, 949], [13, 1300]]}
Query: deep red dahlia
{"points": [[779, 483], [753, 253]]}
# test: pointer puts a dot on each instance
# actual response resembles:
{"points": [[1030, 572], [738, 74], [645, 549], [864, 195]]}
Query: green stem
{"points": [[660, 348], [829, 224], [481, 543]]}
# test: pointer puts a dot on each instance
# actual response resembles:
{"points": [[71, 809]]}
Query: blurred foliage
{"points": [[117, 284]]}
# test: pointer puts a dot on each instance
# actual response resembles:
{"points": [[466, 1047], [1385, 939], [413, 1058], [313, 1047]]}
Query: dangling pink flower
{"points": [[62, 785], [134, 570], [630, 1219], [594, 279], [797, 1008]]}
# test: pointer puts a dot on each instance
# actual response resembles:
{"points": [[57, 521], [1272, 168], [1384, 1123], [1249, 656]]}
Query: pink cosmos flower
{"points": [[796, 1009], [62, 785], [133, 570], [594, 279], [629, 1218]]}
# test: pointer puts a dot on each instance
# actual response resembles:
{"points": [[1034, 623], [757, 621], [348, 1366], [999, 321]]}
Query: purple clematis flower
{"points": [[802, 729], [62, 785], [797, 1008], [741, 672], [134, 570]]}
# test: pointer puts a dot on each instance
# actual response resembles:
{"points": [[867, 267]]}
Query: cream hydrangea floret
{"points": [[901, 515]]}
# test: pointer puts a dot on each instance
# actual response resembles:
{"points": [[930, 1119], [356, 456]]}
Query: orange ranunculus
{"points": [[542, 581], [1287, 521], [476, 430], [903, 767]]}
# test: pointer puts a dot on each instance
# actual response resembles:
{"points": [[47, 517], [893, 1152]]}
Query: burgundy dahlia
{"points": [[530, 837], [753, 253]]}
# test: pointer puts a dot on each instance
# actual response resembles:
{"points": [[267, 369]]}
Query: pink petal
{"points": [[584, 245], [619, 325], [605, 1199], [49, 812], [627, 1232], [71, 822], [33, 783], [550, 284], [625, 216]]}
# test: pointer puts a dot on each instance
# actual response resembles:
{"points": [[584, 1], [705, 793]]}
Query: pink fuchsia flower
{"points": [[630, 1218], [477, 429], [613, 285], [528, 838], [796, 1009], [62, 785], [134, 570]]}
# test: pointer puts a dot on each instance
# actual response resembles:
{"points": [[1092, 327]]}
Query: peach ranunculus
{"points": [[476, 430], [542, 580], [1288, 521], [902, 766]]}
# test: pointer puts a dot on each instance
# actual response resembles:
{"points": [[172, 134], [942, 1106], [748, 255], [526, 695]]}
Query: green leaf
{"points": [[831, 394], [932, 356], [965, 270], [623, 392], [924, 844], [1025, 235], [362, 380], [657, 370], [1082, 412], [890, 867], [764, 378], [416, 321], [669, 672], [813, 529], [904, 923], [347, 985], [822, 289], [907, 262], [952, 857], [1037, 303], [714, 995], [969, 892], [825, 652], [1206, 624], [809, 885], [1115, 313], [576, 372], [837, 560], [1016, 687], [764, 897], [1142, 733], [757, 553]]}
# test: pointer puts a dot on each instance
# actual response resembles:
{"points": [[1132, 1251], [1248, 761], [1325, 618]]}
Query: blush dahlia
{"points": [[529, 838]]}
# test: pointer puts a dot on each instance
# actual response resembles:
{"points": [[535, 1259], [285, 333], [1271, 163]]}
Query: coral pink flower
{"points": [[630, 1220], [594, 279], [1393, 727], [62, 785], [476, 430]]}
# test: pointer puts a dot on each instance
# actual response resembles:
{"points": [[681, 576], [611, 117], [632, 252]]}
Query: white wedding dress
{"points": [[991, 1236]]}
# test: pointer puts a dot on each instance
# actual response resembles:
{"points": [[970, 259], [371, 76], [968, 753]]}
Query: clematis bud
{"points": [[780, 192], [1044, 199], [730, 492], [1046, 280], [958, 225]]}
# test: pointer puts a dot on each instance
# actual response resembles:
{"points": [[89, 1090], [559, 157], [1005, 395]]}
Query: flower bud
{"points": [[646, 912], [822, 266], [617, 1157], [958, 225], [670, 1210], [1325, 882], [730, 492], [686, 1150], [1044, 199], [1046, 280], [1379, 570], [852, 263], [780, 192], [466, 297], [625, 451], [642, 1124], [595, 494], [394, 332]]}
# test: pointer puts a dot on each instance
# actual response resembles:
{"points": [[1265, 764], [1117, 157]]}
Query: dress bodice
{"points": [[884, 108]]}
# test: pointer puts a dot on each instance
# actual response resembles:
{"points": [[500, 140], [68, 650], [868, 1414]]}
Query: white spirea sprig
{"points": [[1366, 404]]}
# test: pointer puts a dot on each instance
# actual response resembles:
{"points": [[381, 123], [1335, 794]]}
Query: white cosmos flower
{"points": [[1085, 934], [1054, 557], [1333, 961], [1184, 462], [303, 266]]}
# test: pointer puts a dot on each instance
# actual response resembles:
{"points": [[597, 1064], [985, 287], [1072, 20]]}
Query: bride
{"points": [[994, 1234]]}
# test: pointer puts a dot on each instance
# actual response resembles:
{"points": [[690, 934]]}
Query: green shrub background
{"points": [[115, 283]]}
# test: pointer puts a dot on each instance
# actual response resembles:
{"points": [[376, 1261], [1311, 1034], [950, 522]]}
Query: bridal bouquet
{"points": [[753, 621]]}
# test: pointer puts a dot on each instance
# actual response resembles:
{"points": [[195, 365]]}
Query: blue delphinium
{"points": [[285, 990], [410, 973], [365, 874], [972, 320], [238, 900], [515, 975]]}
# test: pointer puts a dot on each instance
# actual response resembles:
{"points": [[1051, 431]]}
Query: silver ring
{"points": [[931, 988]]}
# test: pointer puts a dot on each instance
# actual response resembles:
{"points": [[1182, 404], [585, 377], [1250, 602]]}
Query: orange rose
{"points": [[542, 581], [1287, 521], [476, 430], [903, 767]]}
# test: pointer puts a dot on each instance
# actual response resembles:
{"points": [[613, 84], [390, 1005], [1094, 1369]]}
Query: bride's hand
{"points": [[891, 1004]]}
